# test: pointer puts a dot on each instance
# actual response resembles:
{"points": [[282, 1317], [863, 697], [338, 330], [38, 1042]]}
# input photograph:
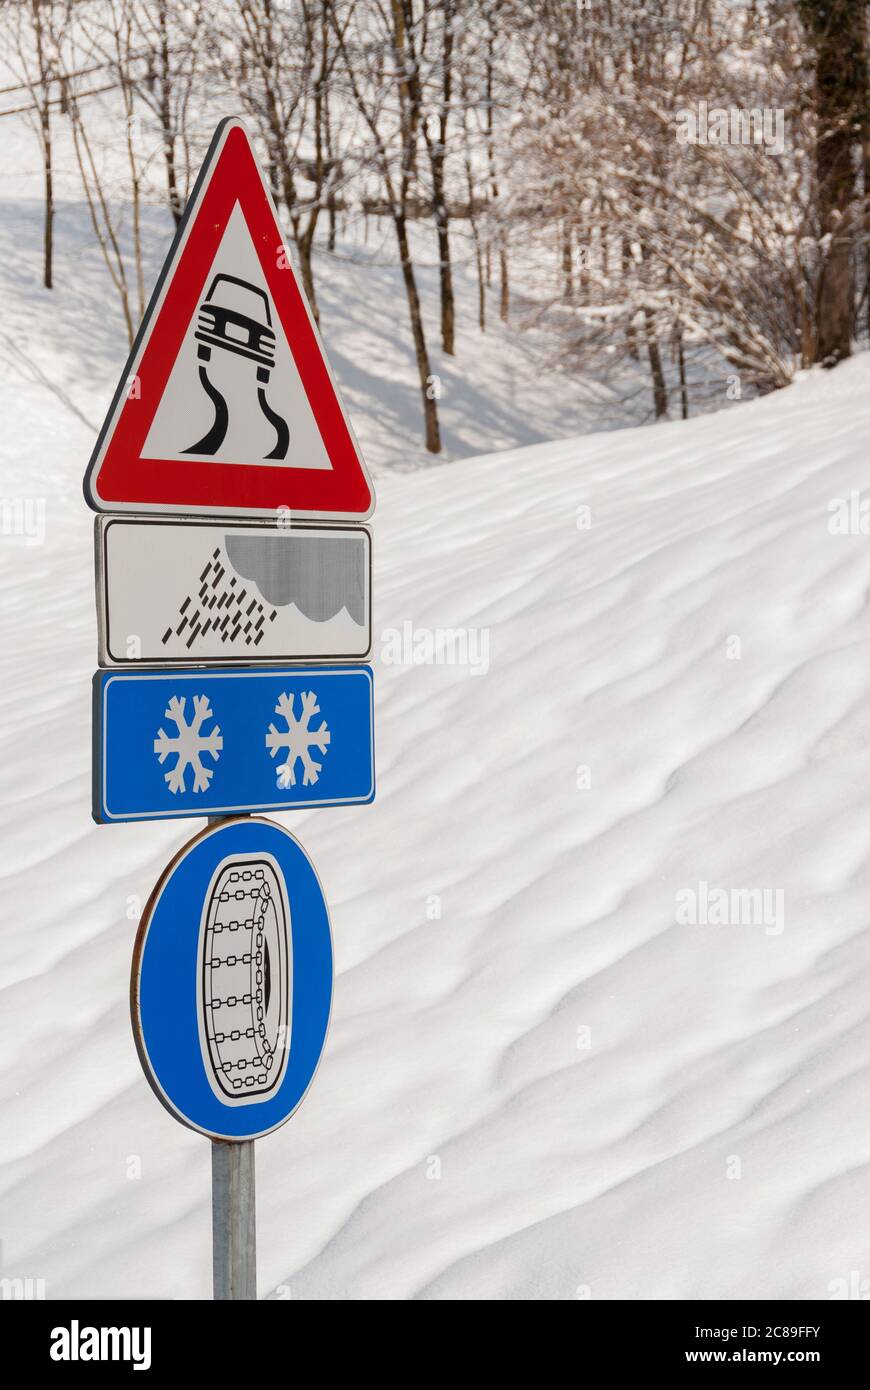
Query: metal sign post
{"points": [[233, 1220]]}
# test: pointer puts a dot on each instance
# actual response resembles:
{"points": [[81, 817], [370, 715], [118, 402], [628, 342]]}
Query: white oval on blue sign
{"points": [[232, 980]]}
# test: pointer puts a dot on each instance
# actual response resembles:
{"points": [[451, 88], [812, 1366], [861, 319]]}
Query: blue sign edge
{"points": [[136, 973], [103, 678]]}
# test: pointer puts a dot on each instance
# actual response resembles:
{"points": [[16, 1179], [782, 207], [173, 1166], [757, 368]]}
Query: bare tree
{"points": [[170, 35], [379, 68], [473, 198], [322, 168], [34, 56], [703, 230], [504, 296], [837, 32], [107, 31], [435, 131], [103, 36], [283, 56]]}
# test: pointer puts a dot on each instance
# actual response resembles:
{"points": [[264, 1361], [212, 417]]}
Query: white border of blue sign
{"points": [[163, 1001]]}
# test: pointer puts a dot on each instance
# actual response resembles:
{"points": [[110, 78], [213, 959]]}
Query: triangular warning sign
{"points": [[227, 405]]}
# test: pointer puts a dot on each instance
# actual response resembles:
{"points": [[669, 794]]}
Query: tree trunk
{"points": [[172, 180], [472, 210], [39, 33], [303, 237], [333, 165], [442, 229], [504, 302], [306, 270], [48, 229], [836, 28], [660, 390], [865, 168], [437, 157], [808, 344], [835, 285], [166, 118], [430, 409], [681, 362], [448, 307], [567, 262]]}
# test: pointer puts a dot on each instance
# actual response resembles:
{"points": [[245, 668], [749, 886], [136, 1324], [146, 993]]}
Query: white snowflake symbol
{"points": [[189, 743], [298, 739]]}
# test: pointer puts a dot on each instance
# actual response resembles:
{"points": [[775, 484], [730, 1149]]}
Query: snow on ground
{"points": [[552, 1088]]}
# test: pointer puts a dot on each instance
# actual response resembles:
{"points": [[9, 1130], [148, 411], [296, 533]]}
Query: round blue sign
{"points": [[232, 980]]}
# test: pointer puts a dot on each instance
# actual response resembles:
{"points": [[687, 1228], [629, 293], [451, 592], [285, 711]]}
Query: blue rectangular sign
{"points": [[214, 743]]}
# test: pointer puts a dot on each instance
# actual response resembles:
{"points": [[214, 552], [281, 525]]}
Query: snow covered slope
{"points": [[539, 1083], [570, 1160]]}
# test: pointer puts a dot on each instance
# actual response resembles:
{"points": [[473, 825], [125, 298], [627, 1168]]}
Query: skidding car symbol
{"points": [[221, 324]]}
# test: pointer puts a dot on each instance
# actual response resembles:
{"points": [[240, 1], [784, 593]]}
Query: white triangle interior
{"points": [[187, 412]]}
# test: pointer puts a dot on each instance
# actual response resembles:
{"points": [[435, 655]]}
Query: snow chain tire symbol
{"points": [[245, 980]]}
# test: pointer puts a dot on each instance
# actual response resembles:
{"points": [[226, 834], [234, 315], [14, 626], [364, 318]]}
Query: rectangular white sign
{"points": [[188, 591]]}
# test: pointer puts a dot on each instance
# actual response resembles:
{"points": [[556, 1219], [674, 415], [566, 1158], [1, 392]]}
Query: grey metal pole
{"points": [[234, 1227]]}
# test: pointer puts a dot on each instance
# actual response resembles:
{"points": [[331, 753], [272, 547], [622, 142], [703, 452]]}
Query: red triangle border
{"points": [[118, 478]]}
